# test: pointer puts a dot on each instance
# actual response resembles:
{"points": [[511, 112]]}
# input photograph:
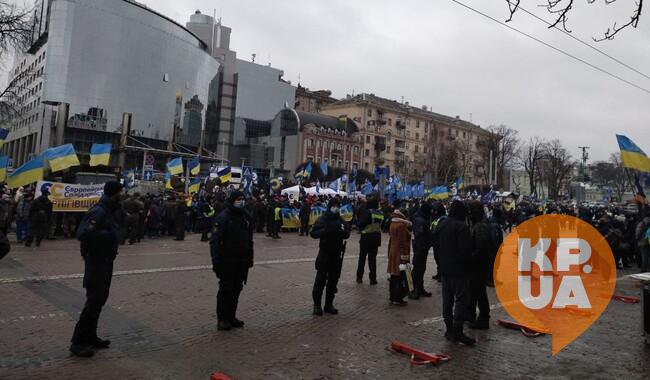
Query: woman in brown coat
{"points": [[399, 252]]}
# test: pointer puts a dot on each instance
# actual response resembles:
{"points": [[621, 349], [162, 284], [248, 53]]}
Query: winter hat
{"points": [[457, 210], [111, 188], [234, 195]]}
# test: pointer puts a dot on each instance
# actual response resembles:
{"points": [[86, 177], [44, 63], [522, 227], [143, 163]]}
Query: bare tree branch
{"points": [[634, 22], [562, 8], [15, 28]]}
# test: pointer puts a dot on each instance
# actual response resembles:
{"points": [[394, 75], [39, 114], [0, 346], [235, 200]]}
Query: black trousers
{"points": [[39, 231], [455, 299], [479, 298], [98, 273], [231, 283], [419, 267], [369, 251], [180, 230], [396, 287], [132, 229], [326, 279]]}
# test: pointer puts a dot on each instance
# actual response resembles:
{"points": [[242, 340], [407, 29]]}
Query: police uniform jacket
{"points": [[231, 244], [331, 230]]}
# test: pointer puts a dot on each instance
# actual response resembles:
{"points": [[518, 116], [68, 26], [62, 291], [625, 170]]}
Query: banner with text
{"points": [[67, 197]]}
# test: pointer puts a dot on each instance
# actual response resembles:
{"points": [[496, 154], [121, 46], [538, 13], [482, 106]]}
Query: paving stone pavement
{"points": [[161, 319]]}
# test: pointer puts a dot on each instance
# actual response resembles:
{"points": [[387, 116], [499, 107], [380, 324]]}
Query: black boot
{"points": [[82, 350], [236, 323], [395, 292], [480, 324], [318, 299], [424, 293], [414, 295], [100, 343], [460, 337], [329, 304], [449, 333]]}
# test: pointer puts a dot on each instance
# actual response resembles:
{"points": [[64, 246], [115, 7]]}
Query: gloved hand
{"points": [[405, 259]]}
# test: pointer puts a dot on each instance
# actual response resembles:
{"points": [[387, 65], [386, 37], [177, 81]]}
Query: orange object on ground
{"points": [[527, 331], [419, 357], [626, 299], [219, 376]]}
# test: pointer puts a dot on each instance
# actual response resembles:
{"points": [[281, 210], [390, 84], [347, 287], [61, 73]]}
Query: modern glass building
{"points": [[98, 68]]}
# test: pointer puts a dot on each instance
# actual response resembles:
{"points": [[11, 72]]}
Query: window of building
{"points": [[340, 163], [390, 122], [367, 152], [417, 124], [417, 136], [367, 139], [347, 165], [339, 147], [387, 149], [464, 134], [417, 149], [457, 132], [366, 165], [369, 112], [408, 134]]}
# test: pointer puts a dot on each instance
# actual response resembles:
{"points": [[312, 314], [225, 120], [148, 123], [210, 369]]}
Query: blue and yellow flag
{"points": [[439, 193], [4, 163], [30, 172], [194, 166], [225, 175], [195, 186], [633, 157], [61, 157], [168, 181], [100, 154], [347, 212], [460, 183], [175, 166], [3, 136]]}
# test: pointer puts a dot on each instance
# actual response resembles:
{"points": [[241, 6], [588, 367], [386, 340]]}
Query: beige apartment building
{"points": [[415, 143]]}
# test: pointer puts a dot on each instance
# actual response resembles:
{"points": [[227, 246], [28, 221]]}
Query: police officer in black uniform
{"points": [[332, 231], [231, 248], [98, 234], [370, 222], [421, 247]]}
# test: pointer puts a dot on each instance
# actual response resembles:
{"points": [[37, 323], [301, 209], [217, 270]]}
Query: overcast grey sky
{"points": [[440, 54]]}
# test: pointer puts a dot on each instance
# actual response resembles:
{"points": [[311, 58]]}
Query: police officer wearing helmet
{"points": [[231, 248], [332, 231], [370, 222], [98, 234]]}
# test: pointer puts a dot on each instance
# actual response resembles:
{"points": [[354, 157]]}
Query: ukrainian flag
{"points": [[439, 193], [175, 166], [168, 181], [100, 154], [30, 172], [347, 212], [62, 157], [194, 166], [4, 163], [195, 186], [225, 175], [633, 157], [3, 136], [460, 183]]}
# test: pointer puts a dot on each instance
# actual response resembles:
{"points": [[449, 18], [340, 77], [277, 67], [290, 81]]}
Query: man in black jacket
{"points": [[453, 242], [331, 230], [231, 248], [98, 234], [421, 247], [40, 215], [370, 222]]}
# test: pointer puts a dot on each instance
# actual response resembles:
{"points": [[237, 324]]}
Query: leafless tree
{"points": [[556, 167], [561, 9], [505, 146], [15, 28], [9, 108], [611, 174], [529, 159]]}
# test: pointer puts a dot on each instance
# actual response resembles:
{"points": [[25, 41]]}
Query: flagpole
{"points": [[187, 178]]}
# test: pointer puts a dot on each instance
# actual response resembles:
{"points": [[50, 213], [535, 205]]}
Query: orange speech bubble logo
{"points": [[555, 274]]}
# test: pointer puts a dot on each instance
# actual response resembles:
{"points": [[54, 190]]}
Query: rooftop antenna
{"points": [[253, 57], [269, 60], [299, 79], [220, 14]]}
